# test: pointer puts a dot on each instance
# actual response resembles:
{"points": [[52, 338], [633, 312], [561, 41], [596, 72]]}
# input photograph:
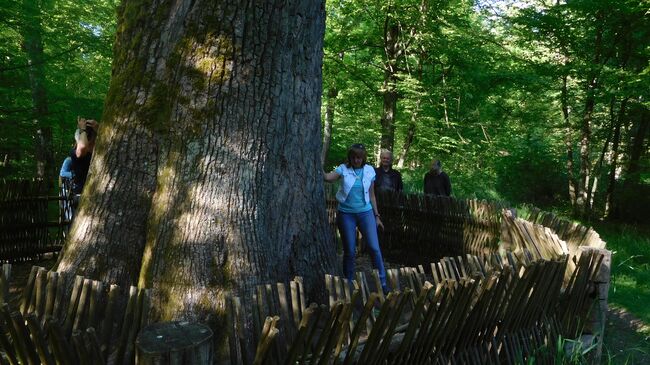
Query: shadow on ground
{"points": [[627, 339]]}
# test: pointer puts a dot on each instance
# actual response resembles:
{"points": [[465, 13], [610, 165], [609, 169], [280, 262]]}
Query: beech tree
{"points": [[207, 176]]}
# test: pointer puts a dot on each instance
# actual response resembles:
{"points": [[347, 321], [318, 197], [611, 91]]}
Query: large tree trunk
{"points": [[32, 44], [207, 173]]}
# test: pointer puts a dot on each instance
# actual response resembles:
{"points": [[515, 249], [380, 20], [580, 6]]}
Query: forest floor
{"points": [[627, 338]]}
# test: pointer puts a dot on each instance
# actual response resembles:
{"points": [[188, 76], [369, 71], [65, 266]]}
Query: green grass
{"points": [[630, 284], [630, 291]]}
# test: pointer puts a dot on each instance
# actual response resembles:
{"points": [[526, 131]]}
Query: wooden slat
{"points": [[62, 350], [38, 339], [110, 320], [79, 323], [94, 347], [28, 291]]}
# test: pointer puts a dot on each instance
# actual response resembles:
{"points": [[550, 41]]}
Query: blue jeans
{"points": [[347, 224]]}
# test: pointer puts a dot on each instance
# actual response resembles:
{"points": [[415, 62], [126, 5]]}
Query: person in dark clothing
{"points": [[436, 181], [82, 153], [79, 167], [387, 179], [74, 170]]}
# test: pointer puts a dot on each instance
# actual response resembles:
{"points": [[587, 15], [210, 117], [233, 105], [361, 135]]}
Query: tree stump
{"points": [[175, 343]]}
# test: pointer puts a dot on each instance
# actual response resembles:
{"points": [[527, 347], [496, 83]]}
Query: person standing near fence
{"points": [[74, 170], [65, 182], [388, 179], [357, 208], [436, 181]]}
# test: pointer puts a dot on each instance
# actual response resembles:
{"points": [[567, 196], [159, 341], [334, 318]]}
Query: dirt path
{"points": [[20, 274], [627, 339]]}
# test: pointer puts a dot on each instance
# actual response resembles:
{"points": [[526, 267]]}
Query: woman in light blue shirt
{"points": [[358, 209]]}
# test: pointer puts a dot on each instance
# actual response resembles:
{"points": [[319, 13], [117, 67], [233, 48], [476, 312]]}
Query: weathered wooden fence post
{"points": [[601, 281], [175, 343]]}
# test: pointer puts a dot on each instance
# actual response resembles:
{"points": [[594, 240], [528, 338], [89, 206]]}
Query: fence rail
{"points": [[27, 230]]}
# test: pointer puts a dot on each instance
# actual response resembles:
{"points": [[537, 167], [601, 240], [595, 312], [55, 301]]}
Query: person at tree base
{"points": [[436, 181], [388, 179], [357, 208]]}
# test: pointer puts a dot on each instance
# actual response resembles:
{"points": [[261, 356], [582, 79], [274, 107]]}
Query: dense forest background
{"points": [[538, 102]]}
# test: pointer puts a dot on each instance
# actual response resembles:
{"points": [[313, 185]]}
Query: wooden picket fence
{"points": [[470, 309], [503, 291], [26, 230], [96, 324], [574, 234], [467, 310], [422, 227]]}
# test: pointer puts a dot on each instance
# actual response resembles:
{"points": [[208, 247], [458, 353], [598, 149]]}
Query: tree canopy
{"points": [[542, 102]]}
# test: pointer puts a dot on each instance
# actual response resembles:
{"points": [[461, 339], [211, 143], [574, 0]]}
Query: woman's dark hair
{"points": [[91, 134], [356, 150]]}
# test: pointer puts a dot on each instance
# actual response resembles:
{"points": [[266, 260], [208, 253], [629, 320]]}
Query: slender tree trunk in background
{"points": [[585, 127], [422, 56], [598, 166], [616, 140], [444, 96], [410, 133], [568, 143], [638, 145], [332, 93], [207, 174], [627, 42], [585, 142], [389, 90], [32, 44], [408, 141]]}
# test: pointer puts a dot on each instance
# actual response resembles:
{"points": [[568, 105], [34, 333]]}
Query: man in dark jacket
{"points": [[436, 181], [387, 178]]}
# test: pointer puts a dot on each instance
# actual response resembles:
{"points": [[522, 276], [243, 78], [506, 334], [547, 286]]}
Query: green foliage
{"points": [[480, 84], [630, 285], [77, 46]]}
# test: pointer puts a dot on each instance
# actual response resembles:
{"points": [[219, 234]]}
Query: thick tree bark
{"points": [[32, 44], [207, 173], [332, 93]]}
